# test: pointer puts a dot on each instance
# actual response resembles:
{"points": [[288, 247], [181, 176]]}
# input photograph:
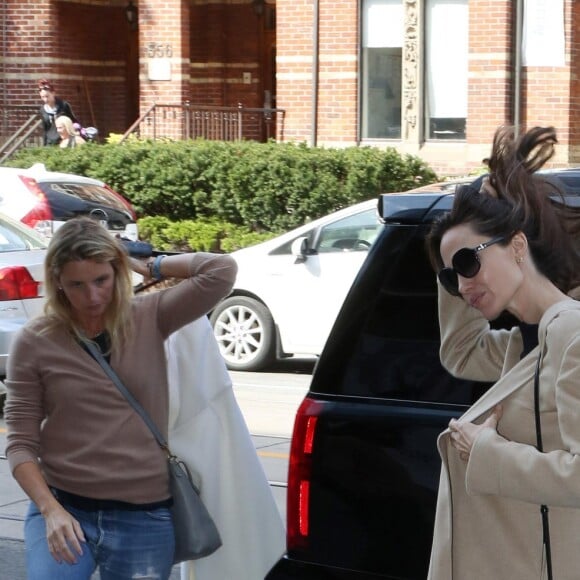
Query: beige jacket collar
{"points": [[503, 389]]}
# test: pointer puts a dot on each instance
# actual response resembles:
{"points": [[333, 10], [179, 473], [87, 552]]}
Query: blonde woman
{"points": [[96, 477], [69, 136]]}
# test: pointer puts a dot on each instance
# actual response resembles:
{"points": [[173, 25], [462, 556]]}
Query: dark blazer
{"points": [[51, 136]]}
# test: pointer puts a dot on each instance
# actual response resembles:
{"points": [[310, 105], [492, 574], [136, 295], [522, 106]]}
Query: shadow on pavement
{"points": [[292, 365]]}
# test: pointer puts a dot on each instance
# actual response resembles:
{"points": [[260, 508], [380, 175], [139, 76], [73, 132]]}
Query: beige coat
{"points": [[488, 523]]}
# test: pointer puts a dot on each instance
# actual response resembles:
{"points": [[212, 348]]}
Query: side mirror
{"points": [[300, 249]]}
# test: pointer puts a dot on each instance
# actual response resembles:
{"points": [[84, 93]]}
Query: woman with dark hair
{"points": [[51, 108], [510, 485]]}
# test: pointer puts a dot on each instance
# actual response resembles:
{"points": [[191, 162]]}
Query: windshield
{"points": [[14, 237]]}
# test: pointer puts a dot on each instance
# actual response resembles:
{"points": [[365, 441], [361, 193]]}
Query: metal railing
{"points": [[189, 121], [20, 126], [25, 136]]}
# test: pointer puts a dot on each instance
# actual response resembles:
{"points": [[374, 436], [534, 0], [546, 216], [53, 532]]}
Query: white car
{"points": [[22, 254], [44, 200], [289, 289]]}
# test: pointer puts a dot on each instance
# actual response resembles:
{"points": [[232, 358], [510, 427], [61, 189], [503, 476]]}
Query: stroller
{"points": [[89, 134]]}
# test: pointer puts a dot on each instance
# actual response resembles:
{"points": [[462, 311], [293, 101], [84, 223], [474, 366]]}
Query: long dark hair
{"points": [[520, 200]]}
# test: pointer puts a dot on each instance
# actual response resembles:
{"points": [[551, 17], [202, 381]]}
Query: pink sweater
{"points": [[63, 411]]}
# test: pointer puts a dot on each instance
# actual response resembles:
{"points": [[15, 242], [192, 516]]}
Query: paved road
{"points": [[268, 402]]}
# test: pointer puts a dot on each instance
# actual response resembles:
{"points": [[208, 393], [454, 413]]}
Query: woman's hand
{"points": [[64, 535], [463, 434], [63, 532], [140, 266]]}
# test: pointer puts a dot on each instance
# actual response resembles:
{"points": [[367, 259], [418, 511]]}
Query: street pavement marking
{"points": [[273, 454]]}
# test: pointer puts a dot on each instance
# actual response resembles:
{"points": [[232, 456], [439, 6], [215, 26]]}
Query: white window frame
{"points": [[446, 67]]}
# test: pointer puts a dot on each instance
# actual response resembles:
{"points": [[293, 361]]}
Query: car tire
{"points": [[245, 332]]}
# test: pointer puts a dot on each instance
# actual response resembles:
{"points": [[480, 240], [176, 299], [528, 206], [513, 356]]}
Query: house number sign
{"points": [[159, 55], [159, 50]]}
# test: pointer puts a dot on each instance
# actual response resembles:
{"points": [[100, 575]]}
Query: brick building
{"points": [[428, 77]]}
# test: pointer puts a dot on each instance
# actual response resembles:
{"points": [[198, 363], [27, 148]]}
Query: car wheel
{"points": [[244, 330]]}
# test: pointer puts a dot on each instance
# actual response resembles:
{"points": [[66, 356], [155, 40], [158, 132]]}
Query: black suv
{"points": [[364, 467]]}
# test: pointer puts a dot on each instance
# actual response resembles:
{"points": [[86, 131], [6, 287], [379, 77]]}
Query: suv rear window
{"points": [[85, 191], [392, 312]]}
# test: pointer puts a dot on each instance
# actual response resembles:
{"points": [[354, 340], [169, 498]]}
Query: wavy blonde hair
{"points": [[85, 239], [68, 124]]}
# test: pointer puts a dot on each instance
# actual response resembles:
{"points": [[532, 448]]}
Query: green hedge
{"points": [[198, 235], [262, 187]]}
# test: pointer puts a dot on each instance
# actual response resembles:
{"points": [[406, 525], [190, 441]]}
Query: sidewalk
{"points": [[273, 452], [269, 413]]}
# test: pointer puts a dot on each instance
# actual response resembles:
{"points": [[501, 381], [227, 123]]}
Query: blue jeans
{"points": [[122, 544]]}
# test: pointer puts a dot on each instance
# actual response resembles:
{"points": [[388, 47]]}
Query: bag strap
{"points": [[539, 446], [98, 356]]}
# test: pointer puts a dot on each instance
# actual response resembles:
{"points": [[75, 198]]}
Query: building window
{"points": [[382, 48], [446, 48]]}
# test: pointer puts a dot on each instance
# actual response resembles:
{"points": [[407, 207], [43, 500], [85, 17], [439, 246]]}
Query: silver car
{"points": [[22, 253]]}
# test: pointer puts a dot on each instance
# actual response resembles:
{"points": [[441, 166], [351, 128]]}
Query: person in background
{"points": [[51, 108], [70, 137], [97, 479], [509, 493]]}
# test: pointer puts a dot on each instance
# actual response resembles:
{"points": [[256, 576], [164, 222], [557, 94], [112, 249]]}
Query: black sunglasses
{"points": [[466, 263]]}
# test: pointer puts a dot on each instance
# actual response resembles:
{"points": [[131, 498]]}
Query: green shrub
{"points": [[200, 235], [262, 187]]}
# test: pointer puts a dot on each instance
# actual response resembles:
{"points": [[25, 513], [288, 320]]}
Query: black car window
{"points": [[385, 342], [355, 233], [87, 192]]}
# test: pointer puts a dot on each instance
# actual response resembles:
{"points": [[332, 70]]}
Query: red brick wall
{"points": [[27, 45], [490, 65], [338, 72], [83, 48], [166, 24], [550, 96], [80, 48], [294, 50]]}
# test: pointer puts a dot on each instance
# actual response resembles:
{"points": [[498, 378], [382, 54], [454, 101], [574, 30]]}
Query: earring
{"points": [[519, 259]]}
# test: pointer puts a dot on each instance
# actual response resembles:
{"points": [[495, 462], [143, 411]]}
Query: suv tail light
{"points": [[40, 216], [16, 283], [299, 474]]}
